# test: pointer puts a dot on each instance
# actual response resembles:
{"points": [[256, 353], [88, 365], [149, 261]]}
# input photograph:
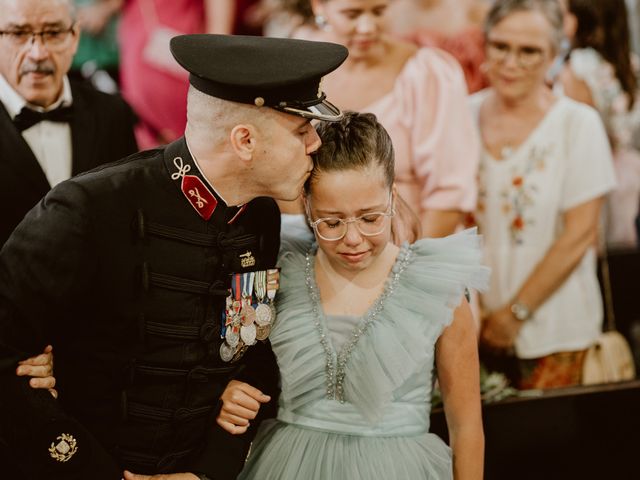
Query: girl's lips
{"points": [[353, 257]]}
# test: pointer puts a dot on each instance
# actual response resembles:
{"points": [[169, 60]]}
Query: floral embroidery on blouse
{"points": [[518, 196]]}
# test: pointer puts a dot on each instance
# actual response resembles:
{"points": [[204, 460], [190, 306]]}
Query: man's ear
{"points": [[243, 141]]}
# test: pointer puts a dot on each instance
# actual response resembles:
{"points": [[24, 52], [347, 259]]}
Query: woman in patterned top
{"points": [[544, 171]]}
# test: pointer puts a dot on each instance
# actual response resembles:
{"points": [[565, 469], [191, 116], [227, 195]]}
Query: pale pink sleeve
{"points": [[444, 137]]}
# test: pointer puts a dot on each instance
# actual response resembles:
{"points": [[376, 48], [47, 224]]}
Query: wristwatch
{"points": [[521, 311]]}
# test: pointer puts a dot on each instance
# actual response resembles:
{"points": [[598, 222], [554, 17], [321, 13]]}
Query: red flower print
{"points": [[518, 223]]}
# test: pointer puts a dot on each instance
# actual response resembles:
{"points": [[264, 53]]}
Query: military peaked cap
{"points": [[280, 73]]}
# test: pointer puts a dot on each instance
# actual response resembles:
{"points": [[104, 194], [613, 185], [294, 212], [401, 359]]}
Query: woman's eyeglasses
{"points": [[526, 57]]}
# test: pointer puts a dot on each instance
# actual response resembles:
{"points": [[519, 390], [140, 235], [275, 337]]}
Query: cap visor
{"points": [[324, 110]]}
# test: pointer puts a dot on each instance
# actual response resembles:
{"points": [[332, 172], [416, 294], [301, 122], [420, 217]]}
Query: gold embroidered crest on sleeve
{"points": [[64, 449]]}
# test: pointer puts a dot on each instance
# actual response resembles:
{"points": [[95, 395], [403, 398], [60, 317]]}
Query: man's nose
{"points": [[37, 49]]}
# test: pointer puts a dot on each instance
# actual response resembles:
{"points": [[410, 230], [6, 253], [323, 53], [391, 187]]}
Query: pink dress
{"points": [[467, 47], [158, 97], [437, 149]]}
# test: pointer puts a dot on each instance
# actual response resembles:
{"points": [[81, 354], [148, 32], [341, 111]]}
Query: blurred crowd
{"points": [[520, 117]]}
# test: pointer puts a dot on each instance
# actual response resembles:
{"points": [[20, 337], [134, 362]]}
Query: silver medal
{"points": [[232, 336], [248, 334], [263, 315], [226, 352]]}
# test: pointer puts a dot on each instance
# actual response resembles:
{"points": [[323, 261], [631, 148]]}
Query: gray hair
{"points": [[215, 117], [71, 4], [550, 9]]}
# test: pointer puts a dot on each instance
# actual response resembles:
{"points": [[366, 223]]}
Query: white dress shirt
{"points": [[49, 141]]}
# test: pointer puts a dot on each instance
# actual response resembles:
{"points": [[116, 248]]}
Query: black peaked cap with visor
{"points": [[281, 73]]}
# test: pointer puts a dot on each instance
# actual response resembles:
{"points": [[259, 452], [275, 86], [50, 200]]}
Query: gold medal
{"points": [[262, 332], [242, 348]]}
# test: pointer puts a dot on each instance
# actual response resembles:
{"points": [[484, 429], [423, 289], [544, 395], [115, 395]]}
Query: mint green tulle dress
{"points": [[362, 413]]}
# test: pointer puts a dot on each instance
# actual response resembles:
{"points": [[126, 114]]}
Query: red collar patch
{"points": [[194, 190]]}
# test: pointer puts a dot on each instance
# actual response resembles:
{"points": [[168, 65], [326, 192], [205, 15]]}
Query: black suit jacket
{"points": [[101, 132]]}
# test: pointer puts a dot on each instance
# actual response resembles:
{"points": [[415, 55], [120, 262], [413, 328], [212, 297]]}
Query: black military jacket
{"points": [[117, 269]]}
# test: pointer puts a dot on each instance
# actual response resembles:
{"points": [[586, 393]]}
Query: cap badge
{"points": [[66, 448], [247, 260], [194, 189], [320, 88], [259, 101]]}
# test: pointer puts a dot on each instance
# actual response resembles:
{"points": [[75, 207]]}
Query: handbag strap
{"points": [[603, 259]]}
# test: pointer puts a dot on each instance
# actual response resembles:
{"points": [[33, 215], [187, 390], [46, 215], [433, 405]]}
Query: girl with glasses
{"points": [[361, 322]]}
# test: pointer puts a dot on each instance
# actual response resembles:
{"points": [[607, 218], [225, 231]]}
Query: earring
{"points": [[321, 22]]}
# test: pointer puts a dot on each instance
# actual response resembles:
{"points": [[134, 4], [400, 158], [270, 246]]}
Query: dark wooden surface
{"points": [[572, 433]]}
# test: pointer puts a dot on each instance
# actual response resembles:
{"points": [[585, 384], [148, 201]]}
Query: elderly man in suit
{"points": [[50, 128]]}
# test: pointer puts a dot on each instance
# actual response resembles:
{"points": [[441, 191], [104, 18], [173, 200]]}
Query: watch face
{"points": [[521, 312]]}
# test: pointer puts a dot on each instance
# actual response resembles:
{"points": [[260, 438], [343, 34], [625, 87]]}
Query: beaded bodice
{"points": [[379, 383], [336, 361]]}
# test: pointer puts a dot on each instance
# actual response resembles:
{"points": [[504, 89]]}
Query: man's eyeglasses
{"points": [[525, 57], [53, 37], [368, 224]]}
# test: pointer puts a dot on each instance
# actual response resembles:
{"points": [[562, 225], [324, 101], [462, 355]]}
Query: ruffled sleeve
{"points": [[588, 66], [402, 339], [445, 148]]}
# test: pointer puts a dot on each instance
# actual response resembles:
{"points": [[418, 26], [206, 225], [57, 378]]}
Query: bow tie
{"points": [[27, 117]]}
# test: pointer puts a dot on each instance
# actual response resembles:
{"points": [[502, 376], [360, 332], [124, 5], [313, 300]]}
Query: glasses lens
{"points": [[371, 224], [331, 229], [368, 225]]}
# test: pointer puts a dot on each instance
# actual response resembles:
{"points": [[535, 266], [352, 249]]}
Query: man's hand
{"points": [[41, 369], [240, 404], [173, 476]]}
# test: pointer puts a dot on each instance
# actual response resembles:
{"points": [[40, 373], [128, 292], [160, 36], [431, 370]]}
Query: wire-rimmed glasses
{"points": [[51, 37], [368, 224]]}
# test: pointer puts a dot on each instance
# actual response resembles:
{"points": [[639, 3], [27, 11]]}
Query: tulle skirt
{"points": [[282, 451]]}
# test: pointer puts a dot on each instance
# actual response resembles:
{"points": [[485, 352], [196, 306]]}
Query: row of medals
{"points": [[249, 318]]}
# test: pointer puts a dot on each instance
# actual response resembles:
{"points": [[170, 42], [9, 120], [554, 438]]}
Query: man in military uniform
{"points": [[126, 271]]}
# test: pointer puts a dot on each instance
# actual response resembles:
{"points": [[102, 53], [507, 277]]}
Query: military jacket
{"points": [[125, 270]]}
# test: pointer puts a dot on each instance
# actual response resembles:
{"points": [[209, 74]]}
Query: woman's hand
{"points": [[40, 368], [240, 404], [500, 329]]}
